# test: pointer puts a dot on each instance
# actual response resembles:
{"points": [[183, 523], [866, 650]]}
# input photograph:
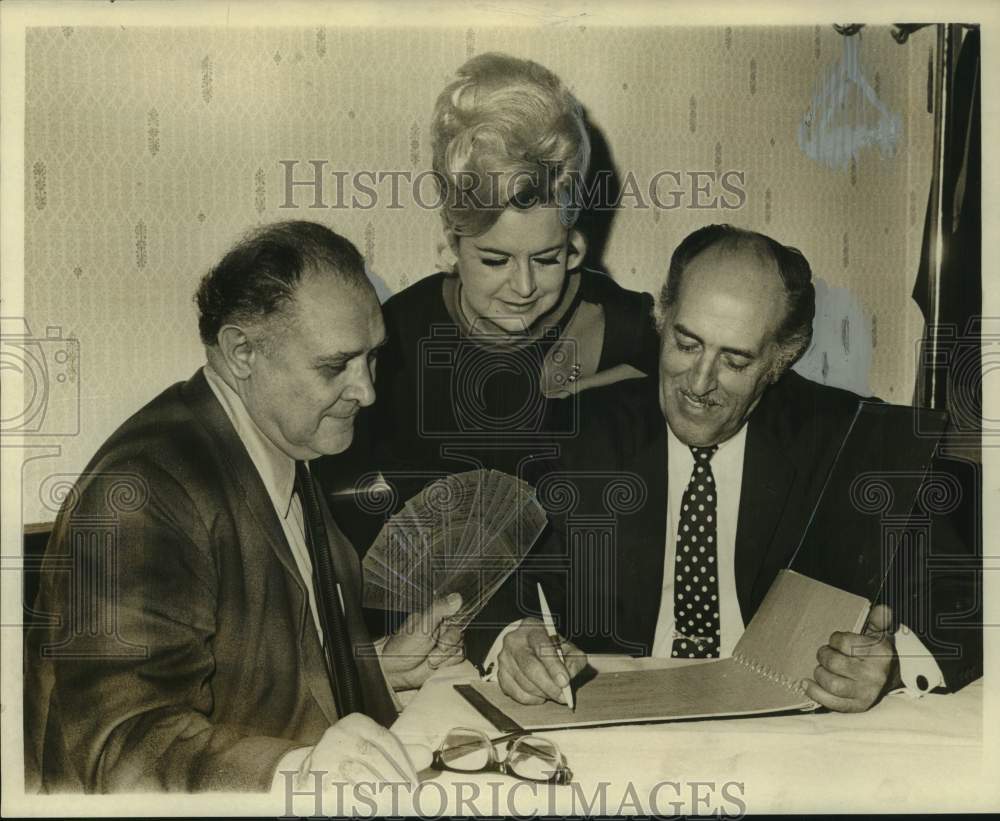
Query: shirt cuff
{"points": [[490, 662], [918, 669]]}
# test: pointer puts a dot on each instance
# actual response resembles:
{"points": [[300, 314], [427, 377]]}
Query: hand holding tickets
{"points": [[534, 666], [461, 534], [426, 641]]}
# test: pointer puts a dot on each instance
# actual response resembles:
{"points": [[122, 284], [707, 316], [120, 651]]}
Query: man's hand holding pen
{"points": [[529, 668]]}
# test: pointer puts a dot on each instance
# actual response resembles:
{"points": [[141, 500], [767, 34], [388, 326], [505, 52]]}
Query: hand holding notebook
{"points": [[855, 669]]}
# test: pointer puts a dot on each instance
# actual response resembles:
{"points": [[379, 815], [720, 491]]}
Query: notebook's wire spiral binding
{"points": [[769, 673]]}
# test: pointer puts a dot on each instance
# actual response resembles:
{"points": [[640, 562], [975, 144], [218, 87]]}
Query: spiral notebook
{"points": [[762, 676]]}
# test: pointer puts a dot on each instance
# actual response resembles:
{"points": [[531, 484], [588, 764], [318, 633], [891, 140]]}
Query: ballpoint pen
{"points": [[550, 628]]}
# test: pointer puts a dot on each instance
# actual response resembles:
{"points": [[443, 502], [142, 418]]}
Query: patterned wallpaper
{"points": [[148, 151]]}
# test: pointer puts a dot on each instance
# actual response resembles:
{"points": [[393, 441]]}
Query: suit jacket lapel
{"points": [[378, 701], [768, 476], [315, 673], [642, 536], [207, 409]]}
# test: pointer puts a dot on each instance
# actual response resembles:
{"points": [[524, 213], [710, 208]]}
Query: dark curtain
{"points": [[957, 331], [958, 383]]}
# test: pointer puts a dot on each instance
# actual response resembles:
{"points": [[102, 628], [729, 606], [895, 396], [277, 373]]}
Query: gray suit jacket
{"points": [[176, 650]]}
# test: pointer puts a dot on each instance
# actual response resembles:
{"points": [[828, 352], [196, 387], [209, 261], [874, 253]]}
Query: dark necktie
{"points": [[696, 576], [341, 665]]}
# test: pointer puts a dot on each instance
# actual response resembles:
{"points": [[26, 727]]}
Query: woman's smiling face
{"points": [[513, 274]]}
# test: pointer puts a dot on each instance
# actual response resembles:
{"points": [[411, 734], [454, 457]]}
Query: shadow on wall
{"points": [[596, 223], [841, 349]]}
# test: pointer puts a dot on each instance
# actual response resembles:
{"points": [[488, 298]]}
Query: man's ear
{"points": [[576, 250], [237, 350], [782, 362]]}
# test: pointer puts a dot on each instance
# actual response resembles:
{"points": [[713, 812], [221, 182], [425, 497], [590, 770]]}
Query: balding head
{"points": [[797, 295], [736, 311]]}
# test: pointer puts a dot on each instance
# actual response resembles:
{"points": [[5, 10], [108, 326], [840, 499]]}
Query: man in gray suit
{"points": [[206, 628]]}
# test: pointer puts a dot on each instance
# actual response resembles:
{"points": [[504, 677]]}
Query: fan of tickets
{"points": [[461, 534]]}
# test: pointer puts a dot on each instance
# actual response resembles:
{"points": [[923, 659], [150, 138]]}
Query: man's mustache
{"points": [[700, 400]]}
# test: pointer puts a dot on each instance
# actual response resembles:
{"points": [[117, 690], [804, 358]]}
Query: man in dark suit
{"points": [[727, 487], [201, 609]]}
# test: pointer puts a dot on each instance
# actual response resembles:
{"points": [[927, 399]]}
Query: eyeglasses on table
{"points": [[529, 757]]}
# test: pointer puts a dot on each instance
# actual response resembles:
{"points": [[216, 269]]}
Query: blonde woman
{"points": [[484, 359]]}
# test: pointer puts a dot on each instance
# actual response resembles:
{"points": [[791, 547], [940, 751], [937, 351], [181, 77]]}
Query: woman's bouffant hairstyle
{"points": [[506, 132], [257, 278], [795, 333]]}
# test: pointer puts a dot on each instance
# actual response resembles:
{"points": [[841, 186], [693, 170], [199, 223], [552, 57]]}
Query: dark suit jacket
{"points": [[611, 482], [180, 652]]}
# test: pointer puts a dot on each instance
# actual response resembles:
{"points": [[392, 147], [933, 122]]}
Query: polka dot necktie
{"points": [[696, 582]]}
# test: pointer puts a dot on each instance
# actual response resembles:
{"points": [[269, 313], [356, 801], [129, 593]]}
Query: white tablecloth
{"points": [[903, 755]]}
